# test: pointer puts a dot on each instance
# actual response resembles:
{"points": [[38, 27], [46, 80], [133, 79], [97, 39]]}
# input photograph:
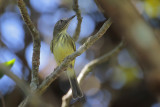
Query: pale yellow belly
{"points": [[61, 51]]}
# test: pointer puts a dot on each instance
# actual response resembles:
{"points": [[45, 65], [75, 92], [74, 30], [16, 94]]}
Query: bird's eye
{"points": [[61, 21]]}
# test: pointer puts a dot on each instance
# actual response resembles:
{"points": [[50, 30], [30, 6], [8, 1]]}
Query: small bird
{"points": [[63, 45]]}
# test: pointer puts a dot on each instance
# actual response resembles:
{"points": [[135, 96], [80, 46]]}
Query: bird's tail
{"points": [[76, 90]]}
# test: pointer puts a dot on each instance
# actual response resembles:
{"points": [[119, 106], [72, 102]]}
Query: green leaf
{"points": [[8, 64]]}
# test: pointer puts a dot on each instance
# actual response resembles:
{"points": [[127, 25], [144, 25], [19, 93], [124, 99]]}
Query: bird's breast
{"points": [[62, 48]]}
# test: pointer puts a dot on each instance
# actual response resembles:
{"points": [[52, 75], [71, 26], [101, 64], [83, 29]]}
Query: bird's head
{"points": [[62, 25]]}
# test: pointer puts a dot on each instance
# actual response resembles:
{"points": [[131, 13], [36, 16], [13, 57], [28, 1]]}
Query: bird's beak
{"points": [[69, 19]]}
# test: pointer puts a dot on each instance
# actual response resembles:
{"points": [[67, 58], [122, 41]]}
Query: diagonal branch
{"points": [[79, 18], [20, 83], [88, 68], [2, 100], [36, 44], [32, 97], [41, 89]]}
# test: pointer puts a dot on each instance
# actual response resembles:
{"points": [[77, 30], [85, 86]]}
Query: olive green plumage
{"points": [[63, 45]]}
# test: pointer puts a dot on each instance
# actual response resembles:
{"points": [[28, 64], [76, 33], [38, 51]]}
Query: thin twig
{"points": [[2, 100], [79, 18], [32, 98], [36, 44], [20, 83], [68, 59], [88, 68]]}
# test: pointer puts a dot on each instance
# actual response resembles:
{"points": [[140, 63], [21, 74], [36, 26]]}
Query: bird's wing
{"points": [[51, 45], [72, 42]]}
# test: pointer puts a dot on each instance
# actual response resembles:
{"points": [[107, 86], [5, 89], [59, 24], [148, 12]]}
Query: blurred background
{"points": [[118, 82]]}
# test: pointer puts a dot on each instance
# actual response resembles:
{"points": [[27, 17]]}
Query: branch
{"points": [[32, 98], [20, 83], [68, 59], [36, 44], [88, 68], [140, 37], [2, 100], [135, 30], [79, 18]]}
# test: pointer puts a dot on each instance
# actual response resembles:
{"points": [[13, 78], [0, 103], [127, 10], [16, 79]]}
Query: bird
{"points": [[61, 46]]}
